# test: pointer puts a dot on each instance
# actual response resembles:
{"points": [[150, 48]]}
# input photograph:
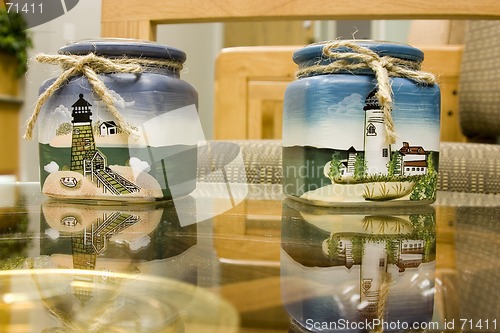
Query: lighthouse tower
{"points": [[82, 140], [372, 272], [377, 151]]}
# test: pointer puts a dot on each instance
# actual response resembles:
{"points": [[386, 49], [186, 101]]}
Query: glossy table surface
{"points": [[242, 258]]}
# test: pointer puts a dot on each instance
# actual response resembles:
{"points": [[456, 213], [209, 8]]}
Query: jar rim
{"points": [[382, 48], [119, 47]]}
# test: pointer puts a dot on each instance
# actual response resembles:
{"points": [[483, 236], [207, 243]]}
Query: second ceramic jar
{"points": [[361, 126], [86, 152]]}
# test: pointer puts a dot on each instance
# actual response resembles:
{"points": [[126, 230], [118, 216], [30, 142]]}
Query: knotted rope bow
{"points": [[90, 66], [383, 68]]}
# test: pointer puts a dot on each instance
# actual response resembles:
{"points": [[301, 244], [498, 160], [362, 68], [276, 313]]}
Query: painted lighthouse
{"points": [[377, 150], [82, 139], [87, 159]]}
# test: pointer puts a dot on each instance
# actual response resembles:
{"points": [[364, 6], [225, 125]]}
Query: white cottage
{"points": [[108, 128], [347, 168]]}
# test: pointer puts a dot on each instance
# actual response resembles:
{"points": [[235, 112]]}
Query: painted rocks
{"points": [[361, 126], [119, 124]]}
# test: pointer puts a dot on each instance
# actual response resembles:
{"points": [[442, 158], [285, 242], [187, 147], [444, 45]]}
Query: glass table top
{"points": [[243, 258]]}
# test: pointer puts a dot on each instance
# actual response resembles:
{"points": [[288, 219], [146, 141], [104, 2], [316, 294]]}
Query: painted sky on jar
{"points": [[335, 118]]}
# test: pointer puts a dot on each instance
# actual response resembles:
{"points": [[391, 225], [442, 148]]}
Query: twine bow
{"points": [[90, 66], [383, 68]]}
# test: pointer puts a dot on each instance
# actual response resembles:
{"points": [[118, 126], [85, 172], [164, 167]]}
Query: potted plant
{"points": [[14, 39]]}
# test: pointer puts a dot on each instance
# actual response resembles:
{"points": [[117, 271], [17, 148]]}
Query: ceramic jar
{"points": [[337, 150], [86, 154]]}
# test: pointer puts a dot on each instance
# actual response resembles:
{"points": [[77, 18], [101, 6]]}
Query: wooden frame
{"points": [[9, 133], [10, 106], [241, 75], [445, 61], [138, 19]]}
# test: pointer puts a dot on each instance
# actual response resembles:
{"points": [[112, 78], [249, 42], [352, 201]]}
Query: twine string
{"points": [[383, 67], [382, 302], [90, 66]]}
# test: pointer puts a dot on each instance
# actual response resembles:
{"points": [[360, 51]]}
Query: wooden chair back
{"points": [[138, 19], [249, 86]]}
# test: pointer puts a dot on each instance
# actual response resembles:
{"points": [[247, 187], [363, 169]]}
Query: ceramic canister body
{"points": [[335, 151], [84, 154]]}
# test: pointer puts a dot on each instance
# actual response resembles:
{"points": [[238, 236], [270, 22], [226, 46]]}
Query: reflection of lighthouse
{"points": [[372, 272], [377, 151], [82, 139]]}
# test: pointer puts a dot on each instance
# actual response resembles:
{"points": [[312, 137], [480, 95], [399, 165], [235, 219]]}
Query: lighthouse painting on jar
{"points": [[377, 151], [335, 147]]}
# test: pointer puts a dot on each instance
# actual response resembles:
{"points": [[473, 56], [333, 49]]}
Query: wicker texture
{"points": [[463, 167], [480, 81], [252, 162], [469, 167], [477, 252]]}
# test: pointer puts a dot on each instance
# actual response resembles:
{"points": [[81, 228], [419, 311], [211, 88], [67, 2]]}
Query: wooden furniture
{"points": [[445, 62], [9, 133], [250, 83], [136, 19], [268, 33], [10, 106]]}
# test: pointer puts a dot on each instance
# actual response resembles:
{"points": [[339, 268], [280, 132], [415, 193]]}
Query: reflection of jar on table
{"points": [[340, 265]]}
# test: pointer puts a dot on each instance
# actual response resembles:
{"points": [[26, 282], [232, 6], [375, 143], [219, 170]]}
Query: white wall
{"points": [[383, 30], [391, 30], [201, 42]]}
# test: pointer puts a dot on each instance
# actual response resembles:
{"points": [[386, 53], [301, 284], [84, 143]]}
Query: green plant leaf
{"points": [[15, 39]]}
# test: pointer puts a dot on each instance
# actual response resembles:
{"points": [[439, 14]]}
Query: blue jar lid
{"points": [[119, 47], [313, 53]]}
